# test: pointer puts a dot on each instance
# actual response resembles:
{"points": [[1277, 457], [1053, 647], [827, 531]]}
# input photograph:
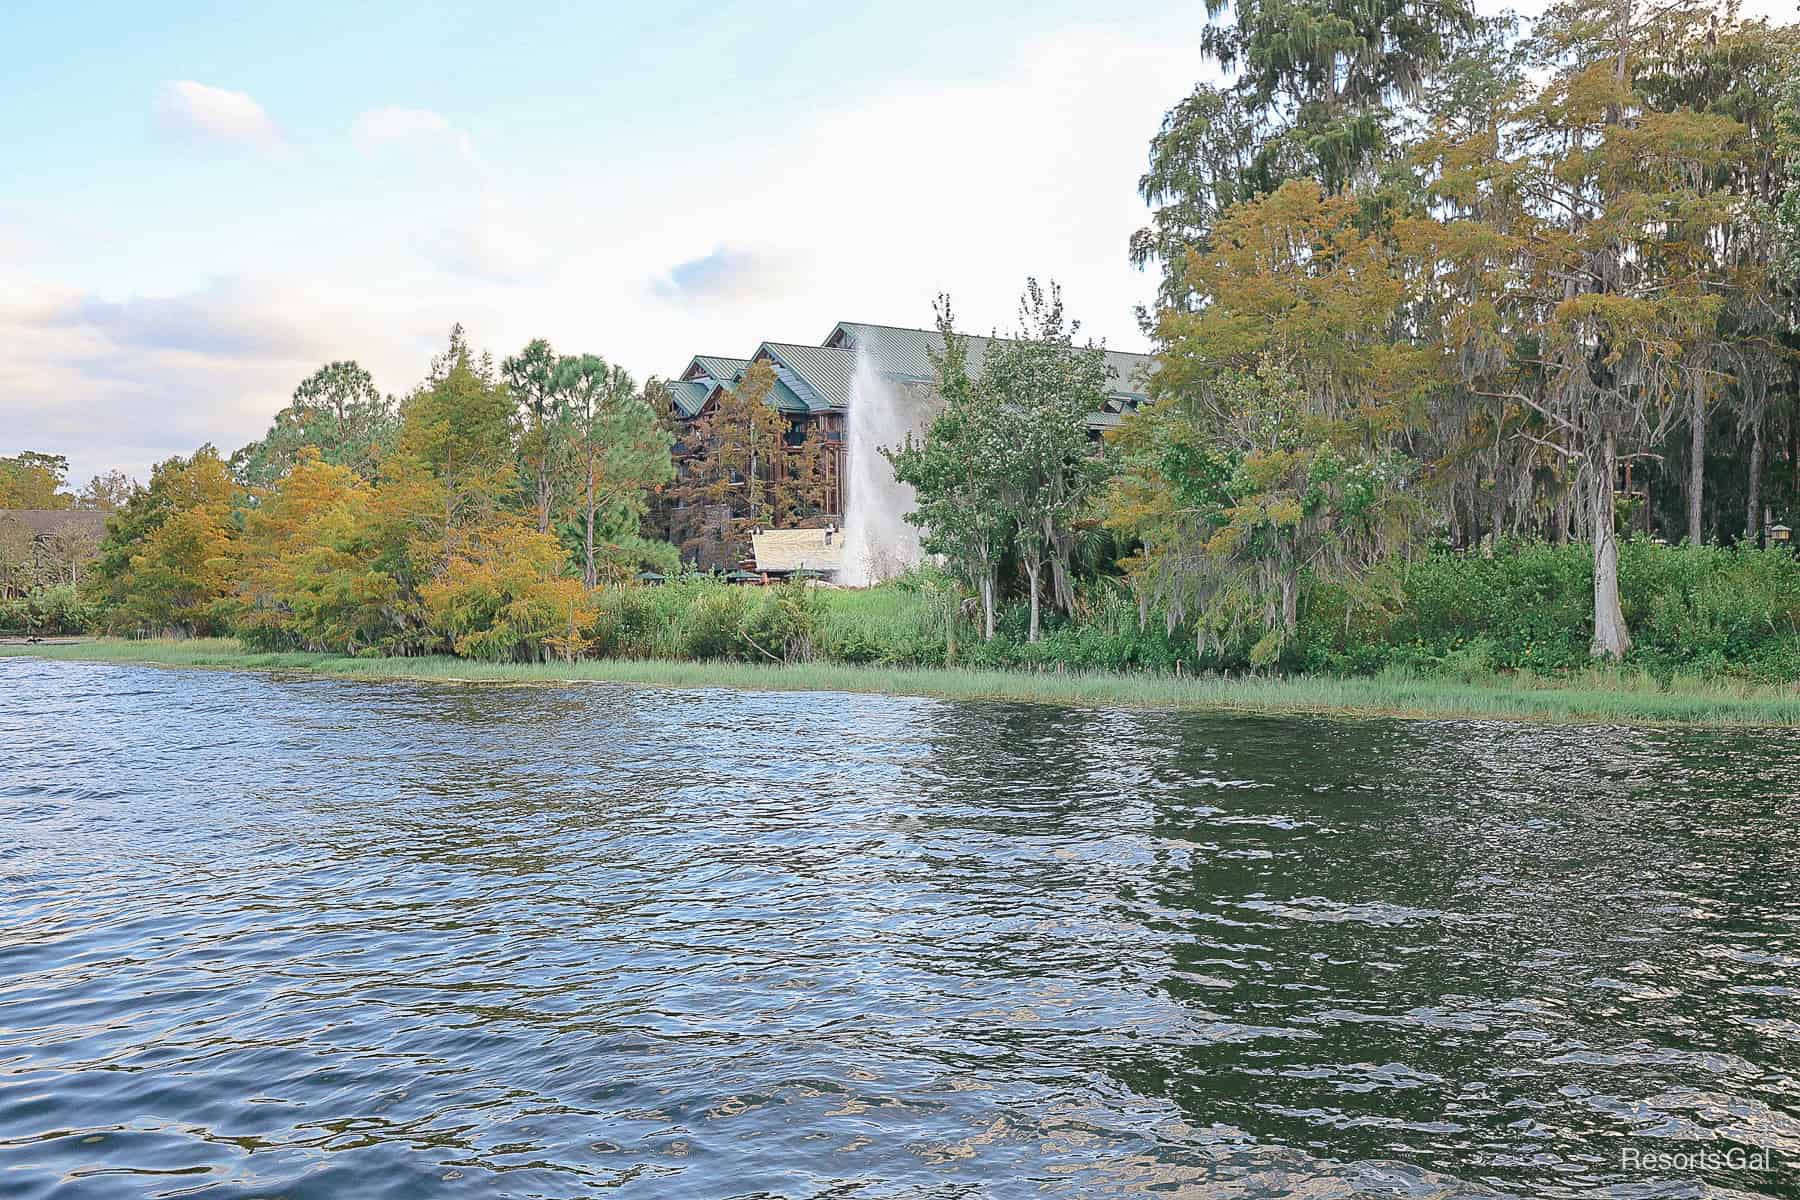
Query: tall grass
{"points": [[1717, 631], [1694, 611], [1597, 696], [1709, 610]]}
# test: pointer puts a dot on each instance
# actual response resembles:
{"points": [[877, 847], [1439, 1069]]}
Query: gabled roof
{"points": [[714, 366], [48, 522], [892, 350], [820, 376], [812, 379], [1113, 414], [790, 394], [906, 353], [688, 396]]}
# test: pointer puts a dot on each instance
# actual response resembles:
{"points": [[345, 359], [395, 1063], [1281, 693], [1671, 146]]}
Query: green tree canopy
{"points": [[336, 411], [34, 480]]}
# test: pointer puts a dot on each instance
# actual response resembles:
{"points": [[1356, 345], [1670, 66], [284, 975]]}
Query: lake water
{"points": [[268, 936]]}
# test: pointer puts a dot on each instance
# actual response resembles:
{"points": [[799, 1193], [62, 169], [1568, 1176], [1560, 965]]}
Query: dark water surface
{"points": [[311, 938]]}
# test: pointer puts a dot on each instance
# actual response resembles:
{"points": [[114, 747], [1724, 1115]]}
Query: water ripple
{"points": [[273, 936]]}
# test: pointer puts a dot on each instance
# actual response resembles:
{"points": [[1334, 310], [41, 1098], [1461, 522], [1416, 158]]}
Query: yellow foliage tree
{"points": [[502, 595], [33, 480], [179, 576], [309, 577]]}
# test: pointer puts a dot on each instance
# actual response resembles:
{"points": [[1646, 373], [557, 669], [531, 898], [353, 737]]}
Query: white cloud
{"points": [[125, 383], [416, 129], [198, 111], [863, 213], [482, 237], [877, 206], [489, 244], [15, 245], [730, 274]]}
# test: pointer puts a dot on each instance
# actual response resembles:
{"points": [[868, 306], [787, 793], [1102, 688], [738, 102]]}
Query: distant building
{"points": [[904, 355], [813, 385], [40, 546]]}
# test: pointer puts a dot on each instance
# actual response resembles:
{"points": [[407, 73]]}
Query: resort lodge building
{"points": [[813, 385]]}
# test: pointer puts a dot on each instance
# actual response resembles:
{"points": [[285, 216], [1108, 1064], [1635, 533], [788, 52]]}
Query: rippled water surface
{"points": [[311, 938]]}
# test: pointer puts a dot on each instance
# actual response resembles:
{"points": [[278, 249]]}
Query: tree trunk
{"points": [[987, 605], [1753, 506], [543, 483], [1696, 480], [1794, 442], [1611, 639], [1034, 567], [1290, 603], [589, 574], [1062, 566], [449, 531]]}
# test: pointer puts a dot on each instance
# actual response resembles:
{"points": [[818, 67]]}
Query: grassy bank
{"points": [[1594, 697]]}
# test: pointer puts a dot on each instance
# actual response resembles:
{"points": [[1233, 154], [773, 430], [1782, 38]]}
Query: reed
{"points": [[1598, 696]]}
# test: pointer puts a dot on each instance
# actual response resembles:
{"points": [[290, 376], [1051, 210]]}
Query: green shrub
{"points": [[48, 612], [1529, 607], [712, 624], [1694, 612], [624, 625], [908, 622], [779, 622], [845, 643]]}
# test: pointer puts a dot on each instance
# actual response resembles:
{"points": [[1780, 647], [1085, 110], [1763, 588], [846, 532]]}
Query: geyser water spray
{"points": [[878, 542]]}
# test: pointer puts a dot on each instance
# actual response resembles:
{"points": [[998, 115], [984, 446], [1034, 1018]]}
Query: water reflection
{"points": [[321, 938]]}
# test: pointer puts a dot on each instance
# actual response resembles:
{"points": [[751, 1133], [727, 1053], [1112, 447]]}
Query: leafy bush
{"points": [[1712, 609], [713, 624], [623, 624], [780, 622], [48, 612], [1707, 611]]}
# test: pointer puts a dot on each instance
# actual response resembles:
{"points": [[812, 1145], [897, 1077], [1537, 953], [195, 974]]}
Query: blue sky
{"points": [[200, 204]]}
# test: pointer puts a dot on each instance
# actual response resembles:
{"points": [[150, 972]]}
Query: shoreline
{"points": [[1589, 701]]}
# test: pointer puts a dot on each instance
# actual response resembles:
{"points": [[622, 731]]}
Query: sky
{"points": [[200, 204]]}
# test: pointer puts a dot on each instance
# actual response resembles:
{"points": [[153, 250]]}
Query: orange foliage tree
{"points": [[309, 576]]}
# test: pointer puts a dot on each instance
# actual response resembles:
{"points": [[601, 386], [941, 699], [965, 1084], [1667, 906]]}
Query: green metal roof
{"points": [[787, 397], [713, 366], [906, 353], [1110, 417], [811, 379], [688, 396], [821, 376]]}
